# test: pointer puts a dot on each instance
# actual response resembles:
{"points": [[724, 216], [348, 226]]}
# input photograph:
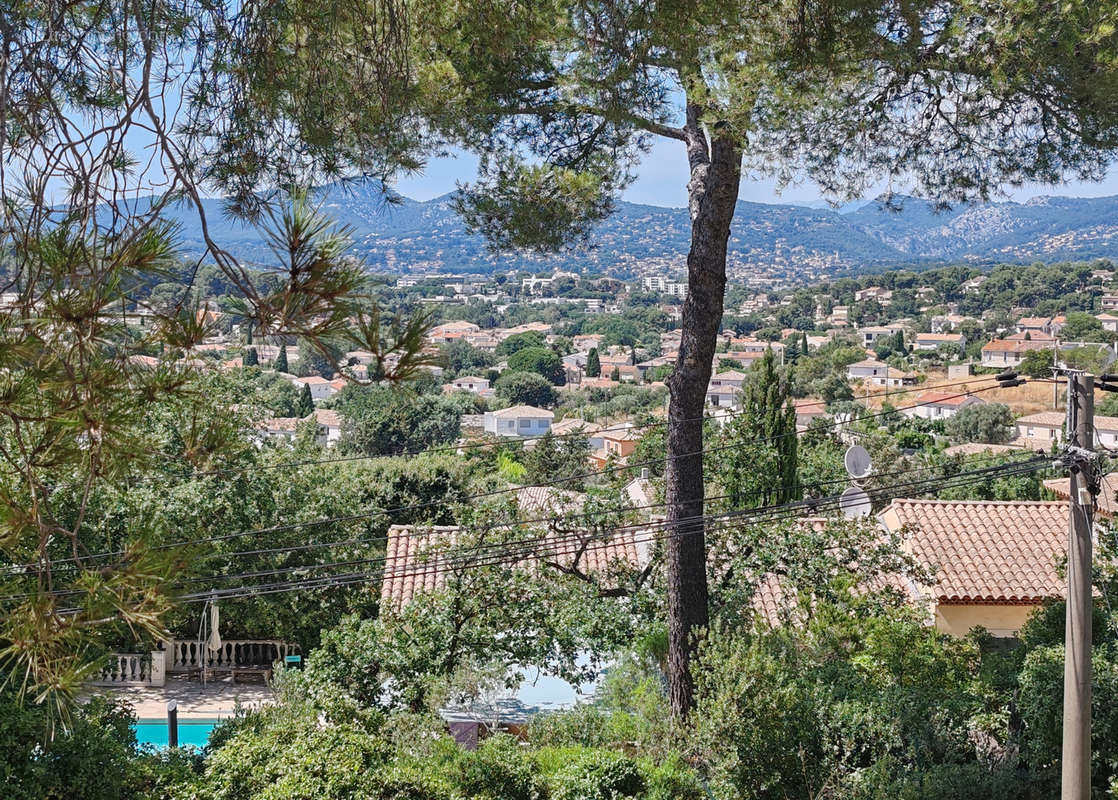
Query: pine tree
{"points": [[593, 364], [251, 358], [305, 406], [281, 360]]}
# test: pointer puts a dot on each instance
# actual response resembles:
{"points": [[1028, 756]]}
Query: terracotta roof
{"points": [[939, 337], [313, 380], [415, 563], [870, 362], [278, 424], [328, 417], [945, 399], [1107, 499], [544, 500], [523, 411], [1053, 419], [1033, 336], [1033, 322], [985, 551], [977, 448], [1015, 346]]}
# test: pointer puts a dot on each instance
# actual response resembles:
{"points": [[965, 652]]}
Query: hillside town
{"points": [[558, 400]]}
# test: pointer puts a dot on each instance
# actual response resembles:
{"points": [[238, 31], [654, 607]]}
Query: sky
{"points": [[662, 181]]}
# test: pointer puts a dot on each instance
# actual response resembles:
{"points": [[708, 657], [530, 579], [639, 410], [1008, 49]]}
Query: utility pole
{"points": [[1075, 778]]}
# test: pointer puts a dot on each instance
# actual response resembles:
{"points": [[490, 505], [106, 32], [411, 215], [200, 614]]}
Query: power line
{"points": [[730, 414], [766, 512], [497, 492]]}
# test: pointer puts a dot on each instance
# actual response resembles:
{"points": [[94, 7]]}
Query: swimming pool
{"points": [[194, 732]]}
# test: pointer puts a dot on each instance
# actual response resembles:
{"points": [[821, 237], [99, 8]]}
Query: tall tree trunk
{"points": [[713, 193]]}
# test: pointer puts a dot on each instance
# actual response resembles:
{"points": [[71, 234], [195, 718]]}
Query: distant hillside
{"points": [[780, 241]]}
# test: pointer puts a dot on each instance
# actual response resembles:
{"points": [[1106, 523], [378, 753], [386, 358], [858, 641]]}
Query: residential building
{"points": [[808, 410], [662, 285], [870, 335], [1109, 302], [933, 341], [321, 389], [470, 383], [278, 427], [1035, 325], [869, 370], [518, 421], [449, 331], [724, 388], [328, 426], [1009, 353], [1046, 427], [410, 570], [994, 562], [1109, 322], [940, 405]]}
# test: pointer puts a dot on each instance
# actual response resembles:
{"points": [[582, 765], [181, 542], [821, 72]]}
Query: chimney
{"points": [[644, 473]]}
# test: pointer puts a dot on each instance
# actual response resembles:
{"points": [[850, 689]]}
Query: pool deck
{"points": [[219, 698]]}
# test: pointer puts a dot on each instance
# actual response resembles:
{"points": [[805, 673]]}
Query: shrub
{"points": [[499, 770], [598, 775]]}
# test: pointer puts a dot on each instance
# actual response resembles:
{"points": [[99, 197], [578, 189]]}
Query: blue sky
{"points": [[663, 178]]}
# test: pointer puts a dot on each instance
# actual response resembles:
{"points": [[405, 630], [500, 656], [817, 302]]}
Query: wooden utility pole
{"points": [[1075, 778]]}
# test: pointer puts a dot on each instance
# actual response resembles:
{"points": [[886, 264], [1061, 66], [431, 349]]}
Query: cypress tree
{"points": [[305, 406], [593, 364], [281, 359], [251, 358]]}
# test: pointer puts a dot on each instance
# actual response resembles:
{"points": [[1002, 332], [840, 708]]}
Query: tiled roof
{"points": [[945, 399], [869, 362], [1033, 322], [1051, 418], [1007, 346], [1107, 499], [328, 417], [977, 448], [939, 337], [985, 551], [415, 562], [523, 411]]}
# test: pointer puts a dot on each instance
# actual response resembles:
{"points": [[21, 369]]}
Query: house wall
{"points": [[1000, 620]]}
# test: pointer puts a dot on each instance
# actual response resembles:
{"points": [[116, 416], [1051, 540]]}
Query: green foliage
{"points": [[540, 360], [384, 421], [461, 358], [989, 423], [525, 388], [251, 358], [498, 770], [597, 775], [281, 360], [758, 458], [1079, 326], [552, 460], [305, 406], [593, 363], [519, 341]]}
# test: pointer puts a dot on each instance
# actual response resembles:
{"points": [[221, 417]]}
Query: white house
{"points": [[932, 341], [940, 405], [1109, 322], [470, 383], [723, 389], [321, 389], [328, 426], [1007, 353], [1048, 426], [518, 421], [870, 370]]}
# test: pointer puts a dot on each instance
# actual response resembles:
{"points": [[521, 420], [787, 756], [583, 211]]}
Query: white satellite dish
{"points": [[855, 503], [857, 461]]}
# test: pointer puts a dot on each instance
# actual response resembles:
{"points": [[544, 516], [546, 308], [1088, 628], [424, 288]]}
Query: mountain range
{"points": [[396, 234]]}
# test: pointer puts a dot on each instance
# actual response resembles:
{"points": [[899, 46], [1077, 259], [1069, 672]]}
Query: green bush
{"points": [[499, 770], [597, 775], [674, 780]]}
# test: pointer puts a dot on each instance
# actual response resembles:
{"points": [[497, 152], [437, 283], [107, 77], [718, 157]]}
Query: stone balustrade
{"points": [[133, 669], [190, 655]]}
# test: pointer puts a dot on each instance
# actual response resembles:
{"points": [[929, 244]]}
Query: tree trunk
{"points": [[713, 193]]}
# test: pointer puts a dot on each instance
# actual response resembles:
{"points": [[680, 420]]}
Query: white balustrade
{"points": [[133, 669], [190, 655]]}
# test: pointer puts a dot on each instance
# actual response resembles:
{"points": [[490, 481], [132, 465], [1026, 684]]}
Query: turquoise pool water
{"points": [[195, 732]]}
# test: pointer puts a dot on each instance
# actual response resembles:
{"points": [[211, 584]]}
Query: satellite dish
{"points": [[857, 461], [855, 503]]}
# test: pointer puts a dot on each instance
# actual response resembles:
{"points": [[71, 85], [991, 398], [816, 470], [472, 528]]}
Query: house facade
{"points": [[518, 421], [940, 405], [724, 388], [1010, 353], [993, 562]]}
